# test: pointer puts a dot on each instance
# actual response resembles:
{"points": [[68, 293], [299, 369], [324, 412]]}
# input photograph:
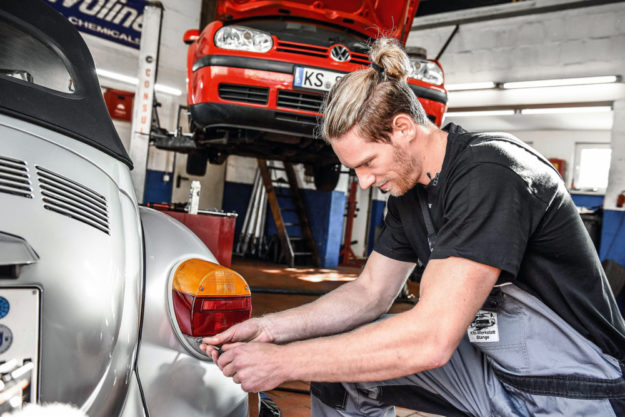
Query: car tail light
{"points": [[208, 298]]}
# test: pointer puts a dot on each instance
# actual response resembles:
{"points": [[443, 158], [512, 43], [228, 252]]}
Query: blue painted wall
{"points": [[588, 201], [157, 187], [377, 219], [325, 212]]}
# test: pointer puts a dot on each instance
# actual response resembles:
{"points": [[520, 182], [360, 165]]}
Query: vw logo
{"points": [[339, 53]]}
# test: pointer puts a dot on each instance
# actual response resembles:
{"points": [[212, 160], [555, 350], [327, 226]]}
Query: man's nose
{"points": [[365, 180]]}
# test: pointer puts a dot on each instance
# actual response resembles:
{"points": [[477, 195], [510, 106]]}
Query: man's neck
{"points": [[432, 155]]}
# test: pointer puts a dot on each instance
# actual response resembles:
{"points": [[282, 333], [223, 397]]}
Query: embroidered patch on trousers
{"points": [[484, 328]]}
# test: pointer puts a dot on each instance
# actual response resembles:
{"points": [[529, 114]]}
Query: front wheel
{"points": [[196, 163], [326, 176]]}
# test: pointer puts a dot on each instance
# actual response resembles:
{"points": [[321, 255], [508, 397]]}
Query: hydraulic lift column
{"points": [[144, 95]]}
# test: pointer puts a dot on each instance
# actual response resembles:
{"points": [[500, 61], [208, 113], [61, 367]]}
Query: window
{"points": [[26, 58], [592, 165]]}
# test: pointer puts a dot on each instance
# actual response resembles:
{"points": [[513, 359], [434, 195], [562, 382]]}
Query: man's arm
{"points": [[452, 291], [348, 306]]}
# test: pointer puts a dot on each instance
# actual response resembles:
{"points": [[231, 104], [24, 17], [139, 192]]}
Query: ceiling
{"points": [[429, 7]]}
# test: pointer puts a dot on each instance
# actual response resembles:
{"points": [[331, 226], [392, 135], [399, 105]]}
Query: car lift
{"points": [[144, 95]]}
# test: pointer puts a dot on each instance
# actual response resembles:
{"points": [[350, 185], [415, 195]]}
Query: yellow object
{"points": [[201, 278]]}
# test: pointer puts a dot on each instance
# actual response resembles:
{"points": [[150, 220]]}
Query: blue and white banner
{"points": [[119, 21]]}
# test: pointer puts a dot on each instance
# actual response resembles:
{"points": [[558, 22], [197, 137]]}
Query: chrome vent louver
{"points": [[14, 178], [69, 198]]}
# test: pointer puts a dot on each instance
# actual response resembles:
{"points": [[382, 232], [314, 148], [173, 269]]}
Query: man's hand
{"points": [[256, 366], [252, 330]]}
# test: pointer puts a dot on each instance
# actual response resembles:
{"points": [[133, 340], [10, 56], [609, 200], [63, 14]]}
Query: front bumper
{"points": [[270, 87]]}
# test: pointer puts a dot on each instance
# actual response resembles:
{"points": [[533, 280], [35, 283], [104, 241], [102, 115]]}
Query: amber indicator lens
{"points": [[209, 298]]}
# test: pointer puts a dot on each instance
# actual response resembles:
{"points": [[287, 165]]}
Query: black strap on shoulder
{"points": [[429, 225]]}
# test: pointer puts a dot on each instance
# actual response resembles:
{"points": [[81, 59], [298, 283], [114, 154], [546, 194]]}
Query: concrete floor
{"points": [[267, 276]]}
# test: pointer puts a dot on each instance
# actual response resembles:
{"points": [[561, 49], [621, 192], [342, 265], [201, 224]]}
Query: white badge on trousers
{"points": [[484, 328]]}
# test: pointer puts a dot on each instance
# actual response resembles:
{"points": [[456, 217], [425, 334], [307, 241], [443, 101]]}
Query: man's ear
{"points": [[403, 127]]}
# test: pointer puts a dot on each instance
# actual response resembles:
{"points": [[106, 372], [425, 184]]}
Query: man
{"points": [[515, 316]]}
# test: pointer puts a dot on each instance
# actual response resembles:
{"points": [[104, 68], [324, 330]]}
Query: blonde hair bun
{"points": [[389, 55]]}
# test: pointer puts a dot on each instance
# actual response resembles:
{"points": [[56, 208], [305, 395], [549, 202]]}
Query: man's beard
{"points": [[406, 173]]}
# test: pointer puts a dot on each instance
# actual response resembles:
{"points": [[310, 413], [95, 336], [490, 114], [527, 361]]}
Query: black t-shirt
{"points": [[498, 202]]}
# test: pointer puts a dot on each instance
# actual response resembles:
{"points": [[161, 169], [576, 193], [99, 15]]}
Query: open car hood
{"points": [[372, 18]]}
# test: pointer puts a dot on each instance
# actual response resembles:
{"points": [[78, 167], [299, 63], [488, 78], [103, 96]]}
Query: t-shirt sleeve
{"points": [[489, 214], [392, 241]]}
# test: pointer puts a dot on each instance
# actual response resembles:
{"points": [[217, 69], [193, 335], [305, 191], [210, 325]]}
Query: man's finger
{"points": [[229, 346], [218, 339], [228, 369]]}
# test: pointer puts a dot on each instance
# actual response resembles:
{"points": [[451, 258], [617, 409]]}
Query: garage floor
{"points": [[265, 276]]}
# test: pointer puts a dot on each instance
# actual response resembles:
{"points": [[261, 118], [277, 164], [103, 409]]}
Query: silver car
{"points": [[102, 302]]}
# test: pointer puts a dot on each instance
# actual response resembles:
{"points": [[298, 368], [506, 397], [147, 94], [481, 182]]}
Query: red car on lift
{"points": [[258, 74]]}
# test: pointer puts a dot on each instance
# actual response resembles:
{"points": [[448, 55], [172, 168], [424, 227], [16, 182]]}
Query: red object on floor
{"points": [[217, 232]]}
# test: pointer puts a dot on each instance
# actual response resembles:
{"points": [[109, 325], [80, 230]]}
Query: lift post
{"points": [[144, 95]]}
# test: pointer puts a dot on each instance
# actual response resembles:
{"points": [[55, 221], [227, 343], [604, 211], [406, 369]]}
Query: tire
{"points": [[326, 176], [196, 163]]}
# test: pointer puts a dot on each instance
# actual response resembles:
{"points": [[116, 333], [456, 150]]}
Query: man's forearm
{"points": [[344, 308]]}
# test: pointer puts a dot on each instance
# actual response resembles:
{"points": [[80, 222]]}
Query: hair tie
{"points": [[377, 68]]}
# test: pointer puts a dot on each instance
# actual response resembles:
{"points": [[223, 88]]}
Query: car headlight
{"points": [[243, 39], [427, 71]]}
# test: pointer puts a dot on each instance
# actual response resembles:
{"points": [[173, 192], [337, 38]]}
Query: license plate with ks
{"points": [[315, 79]]}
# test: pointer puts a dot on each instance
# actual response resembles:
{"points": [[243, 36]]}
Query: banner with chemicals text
{"points": [[119, 21]]}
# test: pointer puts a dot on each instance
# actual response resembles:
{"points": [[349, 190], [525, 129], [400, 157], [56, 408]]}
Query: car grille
{"points": [[318, 51], [67, 197], [244, 93], [300, 101], [14, 178]]}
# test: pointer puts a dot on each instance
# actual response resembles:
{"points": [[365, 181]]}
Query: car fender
{"points": [[175, 382]]}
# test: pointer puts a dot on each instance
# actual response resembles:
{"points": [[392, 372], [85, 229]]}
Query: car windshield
{"points": [[26, 58], [304, 32]]}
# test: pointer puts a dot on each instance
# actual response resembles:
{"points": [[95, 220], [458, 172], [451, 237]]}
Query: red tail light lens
{"points": [[209, 298]]}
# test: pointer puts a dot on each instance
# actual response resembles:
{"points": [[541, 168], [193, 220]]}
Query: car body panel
{"points": [[90, 280], [249, 103], [174, 380]]}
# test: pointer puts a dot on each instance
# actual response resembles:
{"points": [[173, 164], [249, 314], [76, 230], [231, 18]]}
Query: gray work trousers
{"points": [[532, 363]]}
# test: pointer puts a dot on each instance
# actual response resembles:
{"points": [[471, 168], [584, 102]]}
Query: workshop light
{"points": [[485, 85], [116, 76], [564, 110], [208, 298], [167, 90], [480, 113], [561, 82], [133, 80]]}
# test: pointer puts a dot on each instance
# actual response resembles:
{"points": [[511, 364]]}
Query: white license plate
{"points": [[19, 331], [315, 79]]}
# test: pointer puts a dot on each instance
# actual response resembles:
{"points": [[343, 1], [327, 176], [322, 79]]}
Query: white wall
{"points": [[580, 42], [585, 41], [561, 144]]}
